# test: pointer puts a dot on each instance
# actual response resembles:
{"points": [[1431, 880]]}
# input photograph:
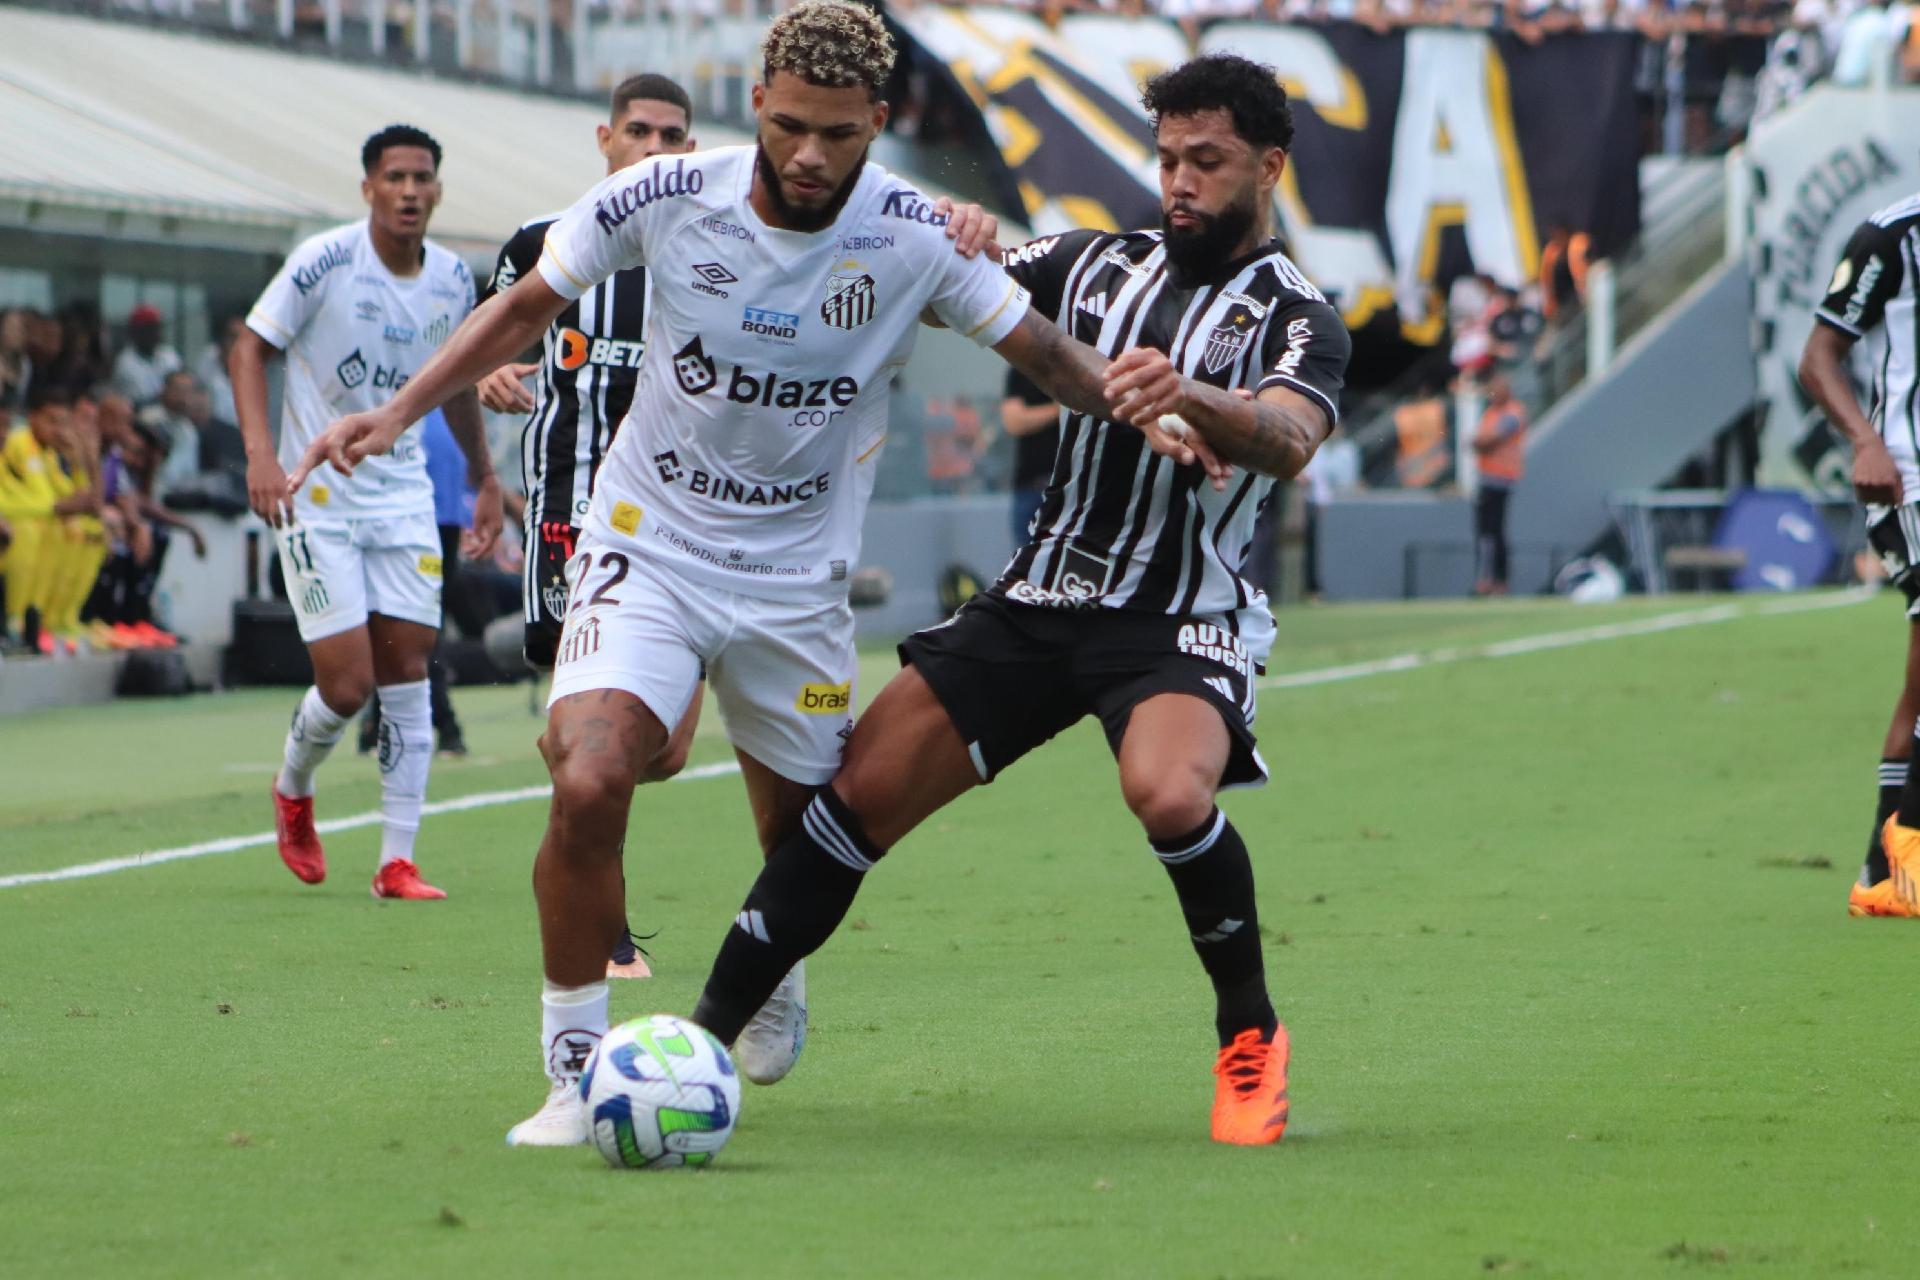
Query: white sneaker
{"points": [[560, 1122], [770, 1044]]}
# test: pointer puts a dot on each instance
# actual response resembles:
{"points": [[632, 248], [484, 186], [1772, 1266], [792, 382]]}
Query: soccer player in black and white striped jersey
{"points": [[1127, 602], [583, 387], [1872, 298]]}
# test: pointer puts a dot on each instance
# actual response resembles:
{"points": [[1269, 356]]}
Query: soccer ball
{"points": [[660, 1091]]}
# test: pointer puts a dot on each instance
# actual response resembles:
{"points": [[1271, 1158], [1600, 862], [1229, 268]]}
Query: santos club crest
{"points": [[850, 301]]}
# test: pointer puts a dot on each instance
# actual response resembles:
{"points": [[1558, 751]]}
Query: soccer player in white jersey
{"points": [[357, 311], [788, 282]]}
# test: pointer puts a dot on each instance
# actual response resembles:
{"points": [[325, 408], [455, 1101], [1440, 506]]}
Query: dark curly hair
{"points": [[1247, 90], [397, 135]]}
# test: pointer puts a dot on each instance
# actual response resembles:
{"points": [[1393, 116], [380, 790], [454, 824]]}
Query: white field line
{"points": [[1291, 680], [232, 844], [1563, 639]]}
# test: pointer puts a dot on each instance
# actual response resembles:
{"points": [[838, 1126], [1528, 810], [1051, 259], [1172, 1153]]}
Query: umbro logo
{"points": [[1096, 306], [710, 276]]}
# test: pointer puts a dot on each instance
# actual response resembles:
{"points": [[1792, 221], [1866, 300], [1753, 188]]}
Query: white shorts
{"points": [[338, 572], [782, 671]]}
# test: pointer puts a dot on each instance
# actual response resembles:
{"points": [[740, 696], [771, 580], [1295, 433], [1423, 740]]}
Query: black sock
{"points": [[1909, 806], [801, 897], [1214, 878], [1893, 778]]}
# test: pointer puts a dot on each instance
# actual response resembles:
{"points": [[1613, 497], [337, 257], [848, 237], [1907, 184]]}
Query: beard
{"points": [[1200, 250], [795, 217]]}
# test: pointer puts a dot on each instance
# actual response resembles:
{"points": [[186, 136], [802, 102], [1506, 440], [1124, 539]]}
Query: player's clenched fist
{"points": [[345, 442], [1144, 389]]}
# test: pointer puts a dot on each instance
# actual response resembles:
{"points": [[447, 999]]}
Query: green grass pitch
{"points": [[1560, 939]]}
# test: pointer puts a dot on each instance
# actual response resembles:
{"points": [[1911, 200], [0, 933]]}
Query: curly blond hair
{"points": [[831, 43]]}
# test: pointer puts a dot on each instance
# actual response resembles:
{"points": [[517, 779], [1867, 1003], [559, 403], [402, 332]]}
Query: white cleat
{"points": [[560, 1122], [770, 1044]]}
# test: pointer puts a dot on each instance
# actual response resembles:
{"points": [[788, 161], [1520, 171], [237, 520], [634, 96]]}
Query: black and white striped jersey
{"points": [[1872, 296], [1120, 526], [588, 371]]}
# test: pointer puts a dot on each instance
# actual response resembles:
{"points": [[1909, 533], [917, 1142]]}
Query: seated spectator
{"points": [[50, 499], [120, 609], [171, 416], [211, 369], [16, 367], [143, 366]]}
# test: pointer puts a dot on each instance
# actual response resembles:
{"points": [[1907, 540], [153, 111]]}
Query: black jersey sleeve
{"points": [[517, 257], [1866, 279], [1042, 267], [1307, 349]]}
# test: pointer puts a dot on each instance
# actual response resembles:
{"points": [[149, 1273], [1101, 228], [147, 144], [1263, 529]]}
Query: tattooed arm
{"points": [[1076, 375]]}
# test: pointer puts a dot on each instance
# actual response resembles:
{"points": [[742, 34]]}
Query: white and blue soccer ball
{"points": [[660, 1091]]}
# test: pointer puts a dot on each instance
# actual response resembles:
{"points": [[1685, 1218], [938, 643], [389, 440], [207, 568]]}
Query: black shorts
{"points": [[544, 590], [1013, 675], [1894, 535]]}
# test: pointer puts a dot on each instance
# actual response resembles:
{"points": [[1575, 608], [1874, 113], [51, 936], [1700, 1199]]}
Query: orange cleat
{"points": [[1250, 1090], [401, 879], [299, 842], [1875, 900], [1896, 895]]}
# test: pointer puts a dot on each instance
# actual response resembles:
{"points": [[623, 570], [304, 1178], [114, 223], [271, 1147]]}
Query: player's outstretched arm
{"points": [[1274, 433], [1823, 372], [499, 330]]}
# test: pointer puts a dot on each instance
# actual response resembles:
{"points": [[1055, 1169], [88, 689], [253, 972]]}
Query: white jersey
{"points": [[353, 333], [750, 449]]}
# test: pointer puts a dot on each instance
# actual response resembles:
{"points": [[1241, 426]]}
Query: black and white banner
{"points": [[1812, 173], [1419, 155]]}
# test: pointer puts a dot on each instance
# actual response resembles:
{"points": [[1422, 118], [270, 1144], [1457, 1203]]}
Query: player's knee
{"points": [[590, 789], [1168, 805], [347, 692]]}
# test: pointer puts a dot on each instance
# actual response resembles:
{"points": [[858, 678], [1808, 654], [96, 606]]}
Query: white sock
{"points": [[572, 1020], [406, 752], [316, 727]]}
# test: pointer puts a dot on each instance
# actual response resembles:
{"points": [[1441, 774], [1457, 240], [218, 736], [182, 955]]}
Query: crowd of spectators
{"points": [[102, 453]]}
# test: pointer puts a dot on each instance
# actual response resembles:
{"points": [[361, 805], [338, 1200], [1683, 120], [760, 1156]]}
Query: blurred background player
{"points": [[1872, 296], [728, 514], [583, 387], [359, 309], [1127, 602]]}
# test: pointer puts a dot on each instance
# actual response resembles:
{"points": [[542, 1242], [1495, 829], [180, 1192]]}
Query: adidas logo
{"points": [[1096, 306], [1224, 687], [1220, 932], [753, 924]]}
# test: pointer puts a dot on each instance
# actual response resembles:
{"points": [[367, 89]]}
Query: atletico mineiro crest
{"points": [[1227, 341], [850, 302]]}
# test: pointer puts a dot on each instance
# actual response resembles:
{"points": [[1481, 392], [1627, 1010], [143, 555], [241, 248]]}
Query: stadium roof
{"points": [[211, 141]]}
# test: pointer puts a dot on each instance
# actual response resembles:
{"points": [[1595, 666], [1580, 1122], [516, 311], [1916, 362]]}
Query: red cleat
{"points": [[401, 879], [299, 842]]}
